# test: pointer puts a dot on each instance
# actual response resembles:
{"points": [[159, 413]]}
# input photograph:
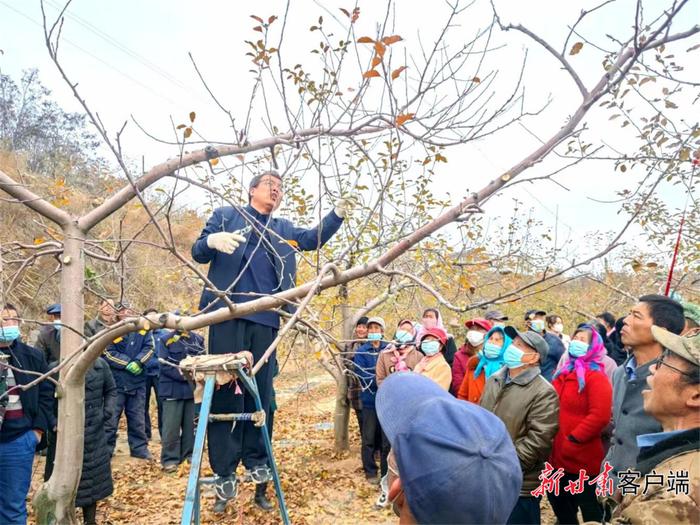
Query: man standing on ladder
{"points": [[251, 255]]}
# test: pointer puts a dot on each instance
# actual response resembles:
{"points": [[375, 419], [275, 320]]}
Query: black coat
{"points": [[100, 404], [38, 401]]}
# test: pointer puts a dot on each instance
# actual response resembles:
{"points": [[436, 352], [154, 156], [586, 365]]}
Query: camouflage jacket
{"points": [[675, 502]]}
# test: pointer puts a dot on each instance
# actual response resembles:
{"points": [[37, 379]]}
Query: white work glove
{"points": [[225, 242], [342, 208]]}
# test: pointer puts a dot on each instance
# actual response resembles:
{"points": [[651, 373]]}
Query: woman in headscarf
{"points": [[585, 405], [432, 319], [481, 366], [401, 355]]}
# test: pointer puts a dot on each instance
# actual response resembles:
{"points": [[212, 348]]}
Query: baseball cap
{"points": [[54, 309], [377, 320], [532, 312], [532, 339], [479, 322], [445, 448], [495, 315], [436, 332], [687, 347]]}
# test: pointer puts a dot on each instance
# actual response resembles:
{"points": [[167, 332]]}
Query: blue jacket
{"points": [[135, 346], [365, 361], [285, 240], [152, 365], [174, 346]]}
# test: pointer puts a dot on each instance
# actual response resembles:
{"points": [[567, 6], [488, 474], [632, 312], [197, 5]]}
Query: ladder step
{"points": [[252, 416]]}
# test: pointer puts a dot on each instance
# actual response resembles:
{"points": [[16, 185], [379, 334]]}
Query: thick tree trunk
{"points": [[55, 501], [341, 417]]}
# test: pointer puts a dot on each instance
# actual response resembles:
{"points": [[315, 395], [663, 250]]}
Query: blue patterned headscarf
{"points": [[487, 364]]}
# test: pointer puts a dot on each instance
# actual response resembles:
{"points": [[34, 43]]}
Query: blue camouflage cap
{"points": [[54, 309], [457, 462]]}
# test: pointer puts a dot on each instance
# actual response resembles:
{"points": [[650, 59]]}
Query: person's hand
{"points": [[342, 208], [38, 434], [224, 242], [134, 368]]}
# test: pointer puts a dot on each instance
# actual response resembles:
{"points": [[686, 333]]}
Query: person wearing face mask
{"points": [[483, 365], [353, 383], [433, 364], [49, 340], [496, 318], [535, 321], [25, 415], [400, 355], [365, 361], [585, 408], [609, 364], [529, 407], [555, 326], [432, 319], [476, 330]]}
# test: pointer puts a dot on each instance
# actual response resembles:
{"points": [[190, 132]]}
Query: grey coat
{"points": [[629, 418]]}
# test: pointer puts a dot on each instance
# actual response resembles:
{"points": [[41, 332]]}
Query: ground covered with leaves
{"points": [[319, 485]]}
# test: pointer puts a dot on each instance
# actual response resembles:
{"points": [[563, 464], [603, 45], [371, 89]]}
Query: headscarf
{"points": [[591, 360], [420, 329], [491, 365]]}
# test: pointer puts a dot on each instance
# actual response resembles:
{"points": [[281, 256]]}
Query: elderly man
{"points": [[106, 315], [455, 461], [251, 254], [25, 415], [49, 340], [671, 456], [529, 407], [629, 379]]}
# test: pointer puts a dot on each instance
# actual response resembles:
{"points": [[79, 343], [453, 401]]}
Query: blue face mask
{"points": [[537, 325], [513, 357], [9, 334], [578, 348], [57, 324], [430, 347], [375, 336], [491, 350], [402, 336]]}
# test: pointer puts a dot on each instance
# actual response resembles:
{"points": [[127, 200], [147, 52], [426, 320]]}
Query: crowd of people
{"points": [[115, 385], [478, 433], [586, 413]]}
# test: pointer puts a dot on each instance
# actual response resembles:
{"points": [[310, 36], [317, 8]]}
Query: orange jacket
{"points": [[472, 388]]}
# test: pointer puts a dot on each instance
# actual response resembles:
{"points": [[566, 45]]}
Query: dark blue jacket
{"points": [[285, 239], [152, 365], [135, 346], [556, 350], [174, 346], [38, 401], [365, 361]]}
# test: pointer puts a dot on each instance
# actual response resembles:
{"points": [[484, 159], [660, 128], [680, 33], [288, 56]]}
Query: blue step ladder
{"points": [[236, 368]]}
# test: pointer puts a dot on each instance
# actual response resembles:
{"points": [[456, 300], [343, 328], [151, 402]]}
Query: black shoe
{"points": [[220, 506], [261, 499]]}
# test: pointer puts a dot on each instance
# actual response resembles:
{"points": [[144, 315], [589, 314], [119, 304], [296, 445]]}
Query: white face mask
{"points": [[475, 338], [559, 328]]}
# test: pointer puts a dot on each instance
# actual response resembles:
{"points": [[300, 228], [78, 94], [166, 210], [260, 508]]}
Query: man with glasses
{"points": [[251, 254], [668, 466], [629, 418]]}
